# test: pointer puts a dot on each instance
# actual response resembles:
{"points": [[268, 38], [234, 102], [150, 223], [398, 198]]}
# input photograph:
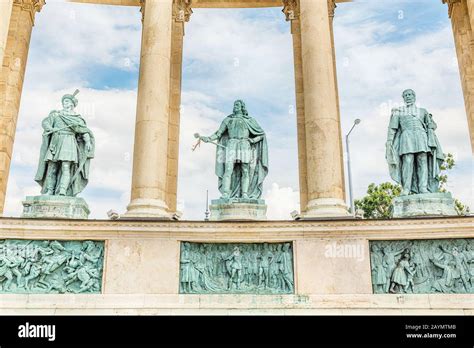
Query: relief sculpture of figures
{"points": [[67, 148], [414, 157], [35, 266], [422, 266], [249, 268]]}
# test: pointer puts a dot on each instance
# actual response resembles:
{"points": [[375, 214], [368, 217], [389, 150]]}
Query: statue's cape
{"points": [[435, 159], [78, 125], [258, 166]]}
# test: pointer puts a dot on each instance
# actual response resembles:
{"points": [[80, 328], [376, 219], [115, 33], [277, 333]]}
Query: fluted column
{"points": [[324, 165], [461, 13], [150, 158], [20, 24]]}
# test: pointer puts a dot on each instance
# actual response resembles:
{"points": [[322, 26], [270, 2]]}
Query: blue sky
{"points": [[382, 48]]}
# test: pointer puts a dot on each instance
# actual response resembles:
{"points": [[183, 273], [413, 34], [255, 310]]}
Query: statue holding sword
{"points": [[241, 155], [67, 148]]}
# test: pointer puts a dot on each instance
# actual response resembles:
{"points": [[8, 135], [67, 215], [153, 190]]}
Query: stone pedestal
{"points": [[428, 204], [238, 209], [61, 207]]}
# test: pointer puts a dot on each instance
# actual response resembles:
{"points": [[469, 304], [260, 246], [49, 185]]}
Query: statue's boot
{"points": [[422, 172], [245, 182], [226, 187], [64, 184], [51, 179]]}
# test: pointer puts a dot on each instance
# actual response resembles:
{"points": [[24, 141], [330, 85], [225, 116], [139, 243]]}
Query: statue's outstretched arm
{"points": [[217, 134]]}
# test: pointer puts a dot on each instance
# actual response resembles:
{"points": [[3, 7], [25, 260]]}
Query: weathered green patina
{"points": [[422, 266], [241, 155], [67, 148], [414, 158], [248, 268], [63, 170], [51, 266]]}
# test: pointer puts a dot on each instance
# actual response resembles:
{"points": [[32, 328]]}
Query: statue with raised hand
{"points": [[67, 148], [241, 155]]}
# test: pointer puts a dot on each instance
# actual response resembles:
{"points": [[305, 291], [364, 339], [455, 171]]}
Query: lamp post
{"points": [[351, 196], [207, 212]]}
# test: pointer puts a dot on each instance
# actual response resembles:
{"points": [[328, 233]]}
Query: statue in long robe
{"points": [[241, 155], [67, 148]]}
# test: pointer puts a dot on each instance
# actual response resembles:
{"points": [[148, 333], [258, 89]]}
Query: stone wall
{"points": [[331, 261]]}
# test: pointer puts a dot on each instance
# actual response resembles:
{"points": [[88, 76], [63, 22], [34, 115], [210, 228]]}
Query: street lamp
{"points": [[351, 197], [207, 212]]}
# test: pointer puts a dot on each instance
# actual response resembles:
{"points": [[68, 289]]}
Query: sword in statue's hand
{"points": [[198, 144]]}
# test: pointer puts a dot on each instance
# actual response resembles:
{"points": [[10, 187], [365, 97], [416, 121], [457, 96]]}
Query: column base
{"points": [[147, 208], [326, 207]]}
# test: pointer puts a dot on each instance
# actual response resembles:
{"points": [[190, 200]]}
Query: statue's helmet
{"points": [[71, 97]]}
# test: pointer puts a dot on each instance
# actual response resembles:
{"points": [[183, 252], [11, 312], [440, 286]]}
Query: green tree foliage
{"points": [[377, 204]]}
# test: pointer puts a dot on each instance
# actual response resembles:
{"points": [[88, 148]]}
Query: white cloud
{"points": [[281, 201]]}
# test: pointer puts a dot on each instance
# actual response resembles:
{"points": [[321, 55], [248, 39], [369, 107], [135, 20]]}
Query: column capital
{"points": [[142, 9], [32, 6], [450, 5], [332, 7], [291, 9], [182, 10]]}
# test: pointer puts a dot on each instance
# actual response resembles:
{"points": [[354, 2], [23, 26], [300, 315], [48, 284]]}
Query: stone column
{"points": [[181, 13], [5, 13], [325, 176], [150, 169], [461, 13], [291, 11], [11, 79]]}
